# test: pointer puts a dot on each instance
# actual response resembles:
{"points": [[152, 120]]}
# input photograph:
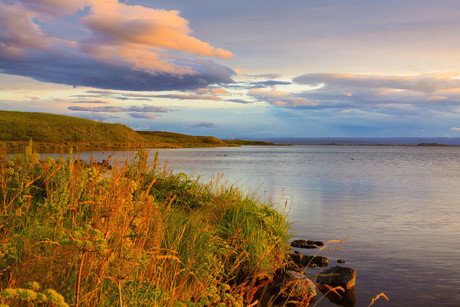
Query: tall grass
{"points": [[135, 235]]}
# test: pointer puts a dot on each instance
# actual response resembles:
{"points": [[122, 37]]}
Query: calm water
{"points": [[400, 205]]}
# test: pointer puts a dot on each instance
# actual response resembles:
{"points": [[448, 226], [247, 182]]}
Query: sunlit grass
{"points": [[134, 235]]}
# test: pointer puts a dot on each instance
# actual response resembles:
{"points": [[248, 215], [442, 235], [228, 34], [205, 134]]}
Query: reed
{"points": [[132, 235]]}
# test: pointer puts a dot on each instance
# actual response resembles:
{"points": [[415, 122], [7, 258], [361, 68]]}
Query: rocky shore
{"points": [[336, 283]]}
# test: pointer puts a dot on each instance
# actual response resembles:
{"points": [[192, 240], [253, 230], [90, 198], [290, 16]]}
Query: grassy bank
{"points": [[133, 235]]}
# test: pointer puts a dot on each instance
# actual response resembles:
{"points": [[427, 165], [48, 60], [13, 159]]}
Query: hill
{"points": [[52, 131], [171, 139], [45, 127]]}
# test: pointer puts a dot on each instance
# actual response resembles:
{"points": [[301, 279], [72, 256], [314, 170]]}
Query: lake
{"points": [[400, 205]]}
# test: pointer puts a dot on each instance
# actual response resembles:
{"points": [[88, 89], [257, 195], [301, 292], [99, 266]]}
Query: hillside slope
{"points": [[45, 127], [181, 140]]}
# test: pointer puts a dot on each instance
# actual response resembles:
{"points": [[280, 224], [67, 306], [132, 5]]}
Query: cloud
{"points": [[98, 109], [95, 116], [143, 115], [242, 101], [427, 84], [208, 125], [18, 31], [120, 46], [219, 91], [268, 83], [143, 109], [280, 98], [397, 96], [131, 32], [190, 97], [454, 129], [267, 76], [90, 101]]}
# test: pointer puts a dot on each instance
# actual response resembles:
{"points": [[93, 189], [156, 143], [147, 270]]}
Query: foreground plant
{"points": [[132, 235]]}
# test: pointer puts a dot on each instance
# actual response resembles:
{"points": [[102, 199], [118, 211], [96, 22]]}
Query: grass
{"points": [[181, 140], [134, 235], [45, 127], [52, 132]]}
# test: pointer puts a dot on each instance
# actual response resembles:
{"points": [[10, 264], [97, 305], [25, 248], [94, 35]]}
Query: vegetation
{"points": [[44, 127], [431, 144], [53, 132], [170, 139], [245, 142], [130, 235]]}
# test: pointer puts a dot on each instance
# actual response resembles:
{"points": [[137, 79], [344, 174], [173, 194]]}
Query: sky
{"points": [[252, 68]]}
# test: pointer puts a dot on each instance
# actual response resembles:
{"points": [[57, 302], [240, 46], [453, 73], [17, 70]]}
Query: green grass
{"points": [[45, 127], [181, 140], [135, 235], [53, 132]]}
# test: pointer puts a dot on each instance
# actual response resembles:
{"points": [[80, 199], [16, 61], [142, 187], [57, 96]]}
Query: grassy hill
{"points": [[44, 127], [181, 140], [51, 132]]}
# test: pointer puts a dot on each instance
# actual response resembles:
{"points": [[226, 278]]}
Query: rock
{"points": [[299, 243], [337, 297], [293, 267], [318, 260], [341, 261], [309, 260], [338, 276], [297, 286], [306, 244]]}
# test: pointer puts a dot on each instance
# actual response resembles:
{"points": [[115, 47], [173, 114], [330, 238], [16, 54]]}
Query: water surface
{"points": [[399, 205]]}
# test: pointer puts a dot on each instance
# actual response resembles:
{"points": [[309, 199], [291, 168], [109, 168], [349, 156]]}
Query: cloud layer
{"points": [[117, 46]]}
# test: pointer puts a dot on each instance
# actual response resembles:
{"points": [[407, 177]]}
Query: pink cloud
{"points": [[154, 45], [18, 32], [142, 37]]}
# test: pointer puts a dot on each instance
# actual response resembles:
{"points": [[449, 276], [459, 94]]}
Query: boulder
{"points": [[296, 286], [338, 276]]}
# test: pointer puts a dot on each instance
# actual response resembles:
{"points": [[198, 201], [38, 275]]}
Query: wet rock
{"points": [[338, 276], [317, 260], [306, 244], [296, 286], [337, 297], [341, 261], [309, 260], [299, 243]]}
